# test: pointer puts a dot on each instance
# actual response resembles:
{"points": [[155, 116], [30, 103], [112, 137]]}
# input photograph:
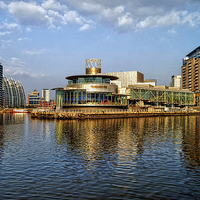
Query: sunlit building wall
{"points": [[130, 78], [45, 94], [14, 95], [176, 81], [191, 70]]}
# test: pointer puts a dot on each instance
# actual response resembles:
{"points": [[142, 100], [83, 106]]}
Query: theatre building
{"points": [[92, 90]]}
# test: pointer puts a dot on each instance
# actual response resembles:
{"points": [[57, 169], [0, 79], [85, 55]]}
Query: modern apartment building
{"points": [[14, 95], [191, 70]]}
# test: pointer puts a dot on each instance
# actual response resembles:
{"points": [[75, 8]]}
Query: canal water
{"points": [[137, 158]]}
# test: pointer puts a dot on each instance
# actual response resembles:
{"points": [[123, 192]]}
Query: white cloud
{"points": [[17, 68], [3, 6], [5, 43], [73, 17], [172, 32], [36, 52], [85, 27], [128, 14], [53, 5], [155, 21], [1, 59], [119, 15], [20, 39], [16, 62], [90, 7], [6, 28], [193, 18], [28, 30], [29, 13], [2, 33], [125, 20], [11, 26]]}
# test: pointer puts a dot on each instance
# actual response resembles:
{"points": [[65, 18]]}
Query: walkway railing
{"points": [[101, 111]]}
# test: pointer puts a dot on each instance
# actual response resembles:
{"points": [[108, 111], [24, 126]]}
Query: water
{"points": [[142, 158]]}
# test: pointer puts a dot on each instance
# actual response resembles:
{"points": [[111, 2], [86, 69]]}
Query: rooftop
{"points": [[92, 75]]}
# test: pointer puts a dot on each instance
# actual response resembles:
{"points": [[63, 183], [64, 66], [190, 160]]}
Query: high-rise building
{"points": [[191, 70], [176, 81], [1, 83], [14, 95], [45, 94]]}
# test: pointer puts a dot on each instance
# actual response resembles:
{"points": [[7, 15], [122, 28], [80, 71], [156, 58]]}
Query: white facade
{"points": [[45, 94], [176, 81], [130, 78], [127, 78]]}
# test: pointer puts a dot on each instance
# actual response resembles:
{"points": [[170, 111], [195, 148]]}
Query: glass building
{"points": [[14, 95], [161, 96], [90, 90]]}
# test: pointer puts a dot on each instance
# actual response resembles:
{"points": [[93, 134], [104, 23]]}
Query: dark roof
{"points": [[193, 51], [59, 88], [91, 75]]}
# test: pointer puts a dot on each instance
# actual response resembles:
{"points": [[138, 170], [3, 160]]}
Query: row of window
{"points": [[181, 97], [90, 80], [82, 97]]}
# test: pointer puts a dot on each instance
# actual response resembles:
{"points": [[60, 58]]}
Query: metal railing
{"points": [[103, 111]]}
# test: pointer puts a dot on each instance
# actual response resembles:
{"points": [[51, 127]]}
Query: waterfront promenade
{"points": [[105, 113]]}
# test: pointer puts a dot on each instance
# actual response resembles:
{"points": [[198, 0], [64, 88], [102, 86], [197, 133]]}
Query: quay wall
{"points": [[103, 114]]}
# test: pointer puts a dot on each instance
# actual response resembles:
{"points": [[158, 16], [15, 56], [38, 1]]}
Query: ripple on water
{"points": [[144, 158]]}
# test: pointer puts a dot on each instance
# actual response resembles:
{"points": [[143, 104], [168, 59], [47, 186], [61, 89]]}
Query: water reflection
{"points": [[191, 140], [138, 158], [109, 134], [128, 138]]}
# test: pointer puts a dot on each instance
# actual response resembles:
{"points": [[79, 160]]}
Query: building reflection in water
{"points": [[128, 138], [191, 140], [1, 133]]}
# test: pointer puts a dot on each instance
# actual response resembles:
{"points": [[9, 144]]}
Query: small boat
{"points": [[19, 111]]}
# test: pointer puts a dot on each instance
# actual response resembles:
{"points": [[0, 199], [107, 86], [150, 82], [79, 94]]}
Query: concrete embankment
{"points": [[108, 115]]}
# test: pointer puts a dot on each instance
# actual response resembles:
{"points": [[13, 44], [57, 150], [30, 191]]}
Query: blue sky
{"points": [[43, 41]]}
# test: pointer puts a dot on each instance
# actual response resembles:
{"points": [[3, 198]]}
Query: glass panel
{"points": [[101, 97], [98, 80], [97, 98], [75, 81], [72, 97], [92, 96], [75, 97], [70, 82], [81, 80], [88, 98], [80, 97]]}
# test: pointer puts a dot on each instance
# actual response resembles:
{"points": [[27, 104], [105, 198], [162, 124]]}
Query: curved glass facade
{"points": [[66, 98], [14, 95], [91, 89], [90, 80]]}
